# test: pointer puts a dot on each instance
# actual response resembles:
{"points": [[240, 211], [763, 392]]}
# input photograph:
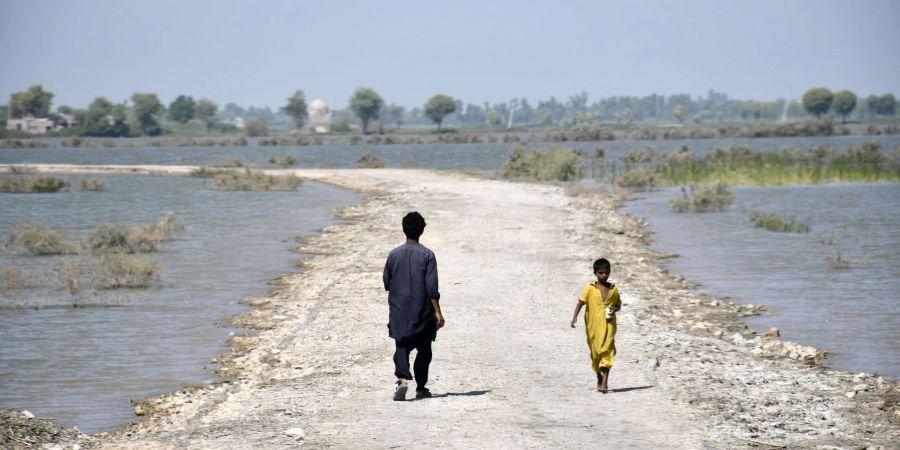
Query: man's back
{"points": [[410, 277]]}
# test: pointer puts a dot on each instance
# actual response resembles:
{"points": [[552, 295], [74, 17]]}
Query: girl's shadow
{"points": [[635, 388]]}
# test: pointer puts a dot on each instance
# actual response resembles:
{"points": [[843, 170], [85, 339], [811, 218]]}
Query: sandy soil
{"points": [[508, 371]]}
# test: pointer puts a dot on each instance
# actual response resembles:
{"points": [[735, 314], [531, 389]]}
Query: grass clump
{"points": [[117, 271], [91, 184], [42, 184], [255, 180], [774, 222], [119, 238], [739, 164], [283, 160], [713, 198], [229, 162], [206, 172], [35, 240], [639, 179], [369, 161], [554, 164]]}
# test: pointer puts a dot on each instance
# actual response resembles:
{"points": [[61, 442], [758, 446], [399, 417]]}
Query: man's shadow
{"points": [[635, 388], [458, 394]]}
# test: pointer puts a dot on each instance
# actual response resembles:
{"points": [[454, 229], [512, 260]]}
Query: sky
{"points": [[259, 52]]}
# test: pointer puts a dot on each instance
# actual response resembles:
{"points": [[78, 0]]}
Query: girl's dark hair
{"points": [[413, 225], [601, 263]]}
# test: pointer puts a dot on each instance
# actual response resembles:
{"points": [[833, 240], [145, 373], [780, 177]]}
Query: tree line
{"points": [[146, 115]]}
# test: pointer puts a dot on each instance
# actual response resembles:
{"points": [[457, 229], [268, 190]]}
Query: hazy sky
{"points": [[259, 52]]}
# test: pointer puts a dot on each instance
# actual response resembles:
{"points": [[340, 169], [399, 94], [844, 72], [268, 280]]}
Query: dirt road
{"points": [[508, 370]]}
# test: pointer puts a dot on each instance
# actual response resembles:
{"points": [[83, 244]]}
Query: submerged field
{"points": [[81, 365]]}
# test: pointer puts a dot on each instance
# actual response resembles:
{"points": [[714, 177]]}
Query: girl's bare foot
{"points": [[604, 379]]}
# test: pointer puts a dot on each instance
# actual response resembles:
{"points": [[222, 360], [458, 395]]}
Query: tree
{"points": [[34, 102], [394, 114], [103, 119], [146, 109], [678, 113], [366, 103], [296, 108], [204, 110], [817, 101], [885, 105], [844, 103], [255, 126], [182, 109], [494, 119], [438, 107]]}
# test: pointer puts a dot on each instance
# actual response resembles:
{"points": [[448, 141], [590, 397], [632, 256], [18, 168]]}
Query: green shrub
{"points": [[254, 180], [704, 199], [554, 164], [90, 184], [774, 222], [36, 240], [369, 161]]}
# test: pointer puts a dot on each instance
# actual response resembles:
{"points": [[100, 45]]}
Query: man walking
{"points": [[411, 279]]}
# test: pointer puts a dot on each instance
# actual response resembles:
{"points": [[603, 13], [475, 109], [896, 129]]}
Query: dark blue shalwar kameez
{"points": [[411, 279]]}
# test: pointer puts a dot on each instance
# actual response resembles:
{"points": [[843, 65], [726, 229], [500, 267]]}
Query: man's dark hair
{"points": [[413, 225], [601, 263]]}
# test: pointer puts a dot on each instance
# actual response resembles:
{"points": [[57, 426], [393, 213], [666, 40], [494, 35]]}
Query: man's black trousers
{"points": [[422, 344]]}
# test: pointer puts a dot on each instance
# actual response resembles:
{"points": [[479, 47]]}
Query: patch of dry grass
{"points": [[282, 160], [255, 180], [555, 164], [90, 184], [33, 239], [41, 184], [713, 198], [369, 161]]}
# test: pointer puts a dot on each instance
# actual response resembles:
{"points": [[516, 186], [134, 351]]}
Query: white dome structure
{"points": [[319, 117]]}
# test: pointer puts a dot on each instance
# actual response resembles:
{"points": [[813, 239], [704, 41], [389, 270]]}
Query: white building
{"points": [[319, 117], [32, 125]]}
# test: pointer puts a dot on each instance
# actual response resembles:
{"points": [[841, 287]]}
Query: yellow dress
{"points": [[601, 332]]}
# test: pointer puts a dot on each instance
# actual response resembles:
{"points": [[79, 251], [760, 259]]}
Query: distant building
{"points": [[43, 125], [319, 117]]}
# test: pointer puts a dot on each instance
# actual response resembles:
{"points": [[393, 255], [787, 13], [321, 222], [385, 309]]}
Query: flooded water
{"points": [[853, 313], [485, 157], [81, 366]]}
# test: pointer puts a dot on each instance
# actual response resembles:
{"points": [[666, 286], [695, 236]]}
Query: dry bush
{"points": [[119, 238], [369, 161], [255, 180], [40, 184], [35, 240], [641, 179], [90, 184], [714, 198], [555, 164], [283, 160], [229, 162], [116, 271]]}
